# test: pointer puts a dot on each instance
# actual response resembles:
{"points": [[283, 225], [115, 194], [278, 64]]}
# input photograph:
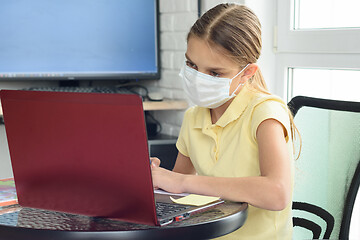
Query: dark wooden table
{"points": [[18, 222]]}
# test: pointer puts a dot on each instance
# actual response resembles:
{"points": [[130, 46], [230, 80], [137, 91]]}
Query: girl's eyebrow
{"points": [[187, 57], [215, 69]]}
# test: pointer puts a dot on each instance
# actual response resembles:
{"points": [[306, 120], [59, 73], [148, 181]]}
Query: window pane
{"points": [[325, 83], [326, 14]]}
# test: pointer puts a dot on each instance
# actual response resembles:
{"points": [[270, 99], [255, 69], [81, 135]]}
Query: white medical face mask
{"points": [[206, 90]]}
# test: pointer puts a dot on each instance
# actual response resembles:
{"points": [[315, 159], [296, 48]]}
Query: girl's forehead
{"points": [[200, 51]]}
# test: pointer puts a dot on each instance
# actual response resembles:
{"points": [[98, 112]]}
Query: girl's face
{"points": [[212, 61]]}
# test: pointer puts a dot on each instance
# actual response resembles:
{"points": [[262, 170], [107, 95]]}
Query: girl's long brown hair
{"points": [[237, 30]]}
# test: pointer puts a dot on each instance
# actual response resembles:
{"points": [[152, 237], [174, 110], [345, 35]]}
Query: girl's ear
{"points": [[250, 71]]}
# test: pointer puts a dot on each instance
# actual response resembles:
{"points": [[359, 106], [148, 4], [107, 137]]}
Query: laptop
{"points": [[84, 153]]}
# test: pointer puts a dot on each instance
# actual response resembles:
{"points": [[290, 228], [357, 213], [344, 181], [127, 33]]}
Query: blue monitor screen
{"points": [[78, 39]]}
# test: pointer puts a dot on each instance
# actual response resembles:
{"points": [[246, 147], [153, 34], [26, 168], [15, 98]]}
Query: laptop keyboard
{"points": [[165, 209], [83, 89]]}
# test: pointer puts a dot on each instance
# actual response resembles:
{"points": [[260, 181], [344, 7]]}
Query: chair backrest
{"points": [[327, 174]]}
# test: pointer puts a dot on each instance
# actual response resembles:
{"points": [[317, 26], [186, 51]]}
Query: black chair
{"points": [[327, 174]]}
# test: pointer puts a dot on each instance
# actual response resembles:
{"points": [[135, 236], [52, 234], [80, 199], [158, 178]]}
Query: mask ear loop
{"points": [[241, 84]]}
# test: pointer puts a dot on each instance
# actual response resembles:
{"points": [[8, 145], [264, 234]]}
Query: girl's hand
{"points": [[155, 161], [166, 180]]}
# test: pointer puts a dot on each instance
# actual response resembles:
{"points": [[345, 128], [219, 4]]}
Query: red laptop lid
{"points": [[83, 153]]}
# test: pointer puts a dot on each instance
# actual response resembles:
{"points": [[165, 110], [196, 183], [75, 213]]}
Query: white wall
{"points": [[266, 12], [5, 165]]}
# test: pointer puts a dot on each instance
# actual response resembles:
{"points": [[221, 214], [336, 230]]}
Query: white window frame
{"points": [[313, 40], [284, 61], [310, 48]]}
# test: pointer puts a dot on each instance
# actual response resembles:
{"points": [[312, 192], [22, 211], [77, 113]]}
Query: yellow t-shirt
{"points": [[229, 148]]}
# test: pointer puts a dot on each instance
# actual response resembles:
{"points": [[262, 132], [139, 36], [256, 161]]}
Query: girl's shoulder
{"points": [[195, 111], [266, 106], [194, 116], [263, 100]]}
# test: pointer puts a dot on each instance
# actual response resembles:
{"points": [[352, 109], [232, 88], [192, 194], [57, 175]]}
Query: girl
{"points": [[237, 142]]}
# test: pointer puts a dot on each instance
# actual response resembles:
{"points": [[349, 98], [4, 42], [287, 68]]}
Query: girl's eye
{"points": [[190, 64], [214, 74]]}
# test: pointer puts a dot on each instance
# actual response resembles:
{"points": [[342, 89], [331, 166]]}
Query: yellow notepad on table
{"points": [[195, 200]]}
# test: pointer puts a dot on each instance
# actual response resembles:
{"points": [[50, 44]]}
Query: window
{"points": [[325, 83], [317, 44], [303, 26], [334, 14]]}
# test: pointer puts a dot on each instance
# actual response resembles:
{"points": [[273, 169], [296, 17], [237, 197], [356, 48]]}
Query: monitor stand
{"points": [[69, 83]]}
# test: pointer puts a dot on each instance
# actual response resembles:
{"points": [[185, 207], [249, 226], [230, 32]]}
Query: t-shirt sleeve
{"points": [[271, 109], [183, 139]]}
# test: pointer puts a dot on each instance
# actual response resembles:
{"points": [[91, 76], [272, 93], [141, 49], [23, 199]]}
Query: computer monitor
{"points": [[79, 40]]}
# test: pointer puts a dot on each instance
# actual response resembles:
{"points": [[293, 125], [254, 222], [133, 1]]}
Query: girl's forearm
{"points": [[262, 192]]}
